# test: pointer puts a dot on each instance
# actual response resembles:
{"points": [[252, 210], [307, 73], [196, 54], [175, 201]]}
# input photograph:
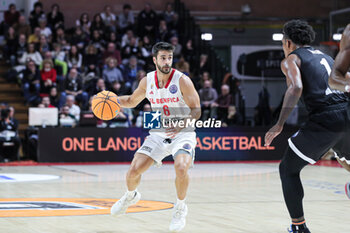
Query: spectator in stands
{"points": [[109, 19], [178, 48], [189, 53], [74, 87], [31, 82], [43, 46], [139, 119], [122, 119], [21, 47], [111, 73], [59, 36], [74, 58], [131, 49], [204, 65], [35, 37], [10, 47], [233, 117], [44, 29], [183, 66], [175, 26], [80, 38], [205, 76], [91, 59], [36, 14], [147, 21], [48, 76], [98, 41], [115, 39], [12, 117], [60, 67], [73, 108], [112, 52], [140, 75], [84, 23], [57, 52], [66, 119], [126, 19], [55, 18], [46, 102], [222, 103], [130, 71], [22, 27], [98, 24], [127, 38], [9, 139], [57, 99], [31, 54], [11, 16], [207, 96], [163, 33], [98, 87], [168, 14], [118, 88], [146, 50]]}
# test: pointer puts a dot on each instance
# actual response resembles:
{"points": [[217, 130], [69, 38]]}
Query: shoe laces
{"points": [[179, 212]]}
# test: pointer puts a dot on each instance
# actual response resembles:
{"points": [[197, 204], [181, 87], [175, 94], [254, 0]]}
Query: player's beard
{"points": [[163, 69]]}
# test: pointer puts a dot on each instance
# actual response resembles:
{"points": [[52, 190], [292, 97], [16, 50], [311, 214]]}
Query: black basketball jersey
{"points": [[315, 69]]}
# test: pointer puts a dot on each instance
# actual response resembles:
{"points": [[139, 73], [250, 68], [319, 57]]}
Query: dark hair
{"points": [[5, 113], [38, 4], [126, 6], [161, 46], [299, 32]]}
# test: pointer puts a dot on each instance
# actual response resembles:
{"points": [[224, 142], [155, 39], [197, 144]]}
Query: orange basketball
{"points": [[105, 105]]}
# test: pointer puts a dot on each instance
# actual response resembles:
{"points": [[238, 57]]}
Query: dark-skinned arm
{"points": [[290, 68]]}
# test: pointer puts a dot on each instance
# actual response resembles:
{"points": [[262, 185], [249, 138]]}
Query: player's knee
{"points": [[282, 169], [133, 172], [181, 169]]}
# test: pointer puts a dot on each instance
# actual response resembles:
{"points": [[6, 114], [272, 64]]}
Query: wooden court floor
{"points": [[223, 197]]}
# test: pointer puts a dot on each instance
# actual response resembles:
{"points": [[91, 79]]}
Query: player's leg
{"points": [[293, 192], [182, 162], [139, 165]]}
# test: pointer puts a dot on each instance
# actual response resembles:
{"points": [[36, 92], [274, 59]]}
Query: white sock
{"points": [[130, 194], [180, 202]]}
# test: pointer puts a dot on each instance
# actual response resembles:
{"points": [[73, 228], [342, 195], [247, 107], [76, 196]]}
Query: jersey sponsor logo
{"points": [[151, 120], [173, 89], [39, 207], [164, 100], [151, 93]]}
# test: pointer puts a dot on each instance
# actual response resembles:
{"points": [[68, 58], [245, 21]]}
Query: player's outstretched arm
{"points": [[191, 96], [290, 68], [131, 101], [340, 78]]}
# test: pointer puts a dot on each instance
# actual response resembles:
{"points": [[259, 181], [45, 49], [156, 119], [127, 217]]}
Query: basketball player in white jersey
{"points": [[173, 93]]}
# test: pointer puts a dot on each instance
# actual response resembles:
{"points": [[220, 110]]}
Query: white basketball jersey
{"points": [[168, 100]]}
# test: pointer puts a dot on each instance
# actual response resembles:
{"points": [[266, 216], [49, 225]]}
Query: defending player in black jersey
{"points": [[340, 80], [307, 71]]}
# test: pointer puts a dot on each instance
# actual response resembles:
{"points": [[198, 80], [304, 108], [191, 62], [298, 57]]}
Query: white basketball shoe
{"points": [[120, 207], [178, 221]]}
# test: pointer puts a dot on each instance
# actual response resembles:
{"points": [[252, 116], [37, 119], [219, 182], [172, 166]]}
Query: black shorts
{"points": [[323, 131]]}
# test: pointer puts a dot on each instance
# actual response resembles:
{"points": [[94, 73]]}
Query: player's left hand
{"points": [[272, 133]]}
